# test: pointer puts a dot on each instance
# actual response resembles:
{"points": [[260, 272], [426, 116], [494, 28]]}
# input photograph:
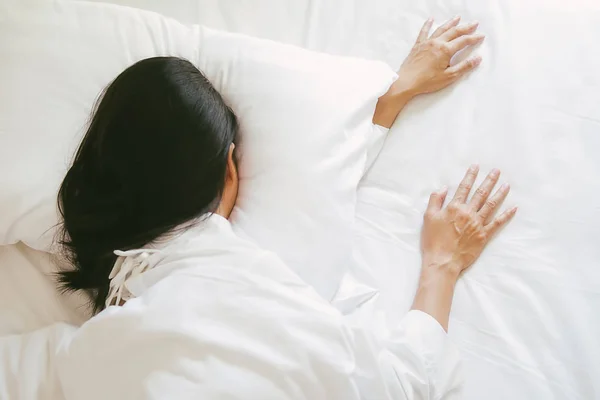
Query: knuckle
{"points": [[482, 192], [491, 203], [464, 186], [453, 206], [454, 74], [446, 49], [438, 44]]}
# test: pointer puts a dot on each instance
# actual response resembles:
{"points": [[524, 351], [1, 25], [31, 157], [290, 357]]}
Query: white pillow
{"points": [[305, 121]]}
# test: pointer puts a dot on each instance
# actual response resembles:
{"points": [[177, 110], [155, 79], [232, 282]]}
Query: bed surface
{"points": [[28, 296], [526, 317]]}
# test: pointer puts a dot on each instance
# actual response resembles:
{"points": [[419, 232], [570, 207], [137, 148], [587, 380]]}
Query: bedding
{"points": [[28, 363], [300, 159], [28, 296], [248, 320], [525, 317]]}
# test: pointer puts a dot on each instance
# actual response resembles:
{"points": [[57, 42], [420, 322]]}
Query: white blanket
{"points": [[526, 317], [215, 317]]}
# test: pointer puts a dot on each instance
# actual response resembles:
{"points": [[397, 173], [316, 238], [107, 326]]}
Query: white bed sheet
{"points": [[526, 317], [29, 299]]}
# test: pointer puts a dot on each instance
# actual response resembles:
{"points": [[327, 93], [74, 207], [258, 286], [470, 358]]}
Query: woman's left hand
{"points": [[427, 68]]}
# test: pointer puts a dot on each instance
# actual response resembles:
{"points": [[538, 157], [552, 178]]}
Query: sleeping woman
{"points": [[193, 311]]}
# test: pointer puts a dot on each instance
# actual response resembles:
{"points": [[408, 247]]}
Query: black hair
{"points": [[153, 158]]}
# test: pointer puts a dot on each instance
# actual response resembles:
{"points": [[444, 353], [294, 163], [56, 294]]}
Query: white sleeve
{"points": [[375, 144], [227, 334], [417, 361], [27, 363]]}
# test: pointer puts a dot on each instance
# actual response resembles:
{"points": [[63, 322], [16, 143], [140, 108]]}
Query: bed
{"points": [[526, 317]]}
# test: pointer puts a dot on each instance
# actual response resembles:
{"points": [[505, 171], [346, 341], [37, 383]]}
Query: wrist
{"points": [[389, 106], [440, 270], [401, 92], [435, 291]]}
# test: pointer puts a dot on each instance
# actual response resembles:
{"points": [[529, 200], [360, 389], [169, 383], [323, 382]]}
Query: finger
{"points": [[490, 206], [484, 190], [460, 69], [424, 34], [498, 223], [436, 200], [463, 41], [457, 31], [444, 27], [467, 183]]}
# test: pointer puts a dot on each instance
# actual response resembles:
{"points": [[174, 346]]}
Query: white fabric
{"points": [[217, 317], [28, 363], [375, 145], [526, 316], [29, 298], [305, 122], [129, 264]]}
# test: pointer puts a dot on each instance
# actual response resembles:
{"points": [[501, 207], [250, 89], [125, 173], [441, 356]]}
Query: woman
{"points": [[155, 177]]}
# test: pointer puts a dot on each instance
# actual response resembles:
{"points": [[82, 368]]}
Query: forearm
{"points": [[435, 292], [389, 106]]}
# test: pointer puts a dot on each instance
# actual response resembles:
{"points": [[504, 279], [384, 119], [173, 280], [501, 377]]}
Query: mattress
{"points": [[526, 316]]}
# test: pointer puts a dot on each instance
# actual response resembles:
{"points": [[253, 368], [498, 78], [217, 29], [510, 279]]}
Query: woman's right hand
{"points": [[453, 237]]}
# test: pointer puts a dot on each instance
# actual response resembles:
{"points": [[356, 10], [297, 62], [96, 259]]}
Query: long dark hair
{"points": [[154, 157]]}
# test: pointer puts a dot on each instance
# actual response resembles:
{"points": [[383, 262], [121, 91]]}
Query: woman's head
{"points": [[158, 153]]}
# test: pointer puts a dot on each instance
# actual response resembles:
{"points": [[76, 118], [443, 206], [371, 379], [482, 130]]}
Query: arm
{"points": [[28, 363], [454, 237], [427, 68]]}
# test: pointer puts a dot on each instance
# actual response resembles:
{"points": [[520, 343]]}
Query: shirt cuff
{"points": [[375, 144], [440, 357]]}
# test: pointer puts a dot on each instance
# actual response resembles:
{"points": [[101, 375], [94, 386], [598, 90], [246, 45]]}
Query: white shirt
{"points": [[212, 316], [215, 317]]}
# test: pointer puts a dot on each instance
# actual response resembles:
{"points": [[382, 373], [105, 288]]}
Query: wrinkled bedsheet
{"points": [[526, 317]]}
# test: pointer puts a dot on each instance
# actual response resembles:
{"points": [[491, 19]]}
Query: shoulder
{"points": [[219, 332]]}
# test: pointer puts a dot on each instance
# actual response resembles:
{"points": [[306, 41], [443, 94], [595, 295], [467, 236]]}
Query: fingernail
{"points": [[456, 18], [514, 209], [474, 167], [495, 172], [480, 37], [477, 61], [444, 189], [505, 187], [474, 23]]}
